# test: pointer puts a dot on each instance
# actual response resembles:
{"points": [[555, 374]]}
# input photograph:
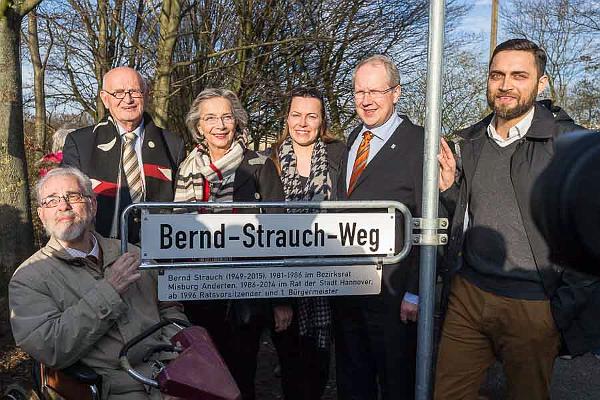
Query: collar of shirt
{"points": [[381, 134], [139, 132], [384, 132], [78, 253], [515, 133]]}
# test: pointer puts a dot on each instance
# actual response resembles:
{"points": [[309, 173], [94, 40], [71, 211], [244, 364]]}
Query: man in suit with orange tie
{"points": [[376, 335]]}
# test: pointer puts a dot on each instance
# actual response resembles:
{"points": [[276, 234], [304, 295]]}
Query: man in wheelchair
{"points": [[78, 300]]}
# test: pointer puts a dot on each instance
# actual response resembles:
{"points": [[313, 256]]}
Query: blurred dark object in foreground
{"points": [[565, 202]]}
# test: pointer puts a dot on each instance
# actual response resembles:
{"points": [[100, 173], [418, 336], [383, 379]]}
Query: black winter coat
{"points": [[570, 293], [531, 156]]}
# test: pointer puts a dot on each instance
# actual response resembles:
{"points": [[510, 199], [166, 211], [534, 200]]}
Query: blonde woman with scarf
{"points": [[222, 169], [308, 158]]}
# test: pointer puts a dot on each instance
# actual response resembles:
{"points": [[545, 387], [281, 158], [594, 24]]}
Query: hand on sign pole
{"points": [[123, 272], [283, 317], [408, 311], [447, 166]]}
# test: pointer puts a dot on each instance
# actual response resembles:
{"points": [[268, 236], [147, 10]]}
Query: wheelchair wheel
{"points": [[15, 392]]}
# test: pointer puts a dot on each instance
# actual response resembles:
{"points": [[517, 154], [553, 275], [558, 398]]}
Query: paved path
{"points": [[577, 379]]}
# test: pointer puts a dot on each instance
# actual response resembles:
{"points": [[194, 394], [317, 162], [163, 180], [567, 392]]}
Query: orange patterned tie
{"points": [[362, 155]]}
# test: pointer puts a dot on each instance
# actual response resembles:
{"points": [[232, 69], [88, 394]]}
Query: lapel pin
{"points": [[151, 144], [393, 146]]}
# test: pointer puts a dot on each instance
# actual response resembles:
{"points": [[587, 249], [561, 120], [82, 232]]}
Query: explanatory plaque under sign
{"points": [[183, 284]]}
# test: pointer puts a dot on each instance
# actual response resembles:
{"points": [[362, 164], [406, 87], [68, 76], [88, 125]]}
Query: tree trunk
{"points": [[135, 38], [170, 18], [101, 60], [244, 9], [38, 80], [16, 235]]}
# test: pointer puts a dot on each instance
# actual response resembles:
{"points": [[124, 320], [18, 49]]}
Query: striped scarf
{"points": [[200, 180], [314, 313]]}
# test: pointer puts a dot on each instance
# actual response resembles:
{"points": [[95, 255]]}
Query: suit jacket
{"points": [[395, 173], [96, 151]]}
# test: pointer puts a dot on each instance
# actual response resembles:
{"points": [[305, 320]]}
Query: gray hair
{"points": [[84, 182], [193, 116], [390, 67], [59, 137]]}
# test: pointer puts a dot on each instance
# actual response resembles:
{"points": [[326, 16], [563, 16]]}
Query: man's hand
{"points": [[447, 166], [408, 311], [124, 272], [283, 317]]}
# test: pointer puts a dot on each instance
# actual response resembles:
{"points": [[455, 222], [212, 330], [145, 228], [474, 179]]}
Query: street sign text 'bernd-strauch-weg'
{"points": [[235, 236]]}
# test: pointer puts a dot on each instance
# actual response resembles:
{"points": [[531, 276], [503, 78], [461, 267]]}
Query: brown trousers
{"points": [[481, 327]]}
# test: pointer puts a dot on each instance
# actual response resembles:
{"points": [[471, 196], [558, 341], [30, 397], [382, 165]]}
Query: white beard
{"points": [[71, 232]]}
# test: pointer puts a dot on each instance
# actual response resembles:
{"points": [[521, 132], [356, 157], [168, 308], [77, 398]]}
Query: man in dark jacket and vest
{"points": [[128, 158], [502, 279]]}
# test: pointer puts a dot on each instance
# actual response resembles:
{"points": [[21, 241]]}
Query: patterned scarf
{"points": [[314, 313], [199, 179]]}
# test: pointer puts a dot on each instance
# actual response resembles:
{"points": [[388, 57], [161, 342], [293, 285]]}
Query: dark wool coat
{"points": [[569, 293], [256, 179], [96, 151]]}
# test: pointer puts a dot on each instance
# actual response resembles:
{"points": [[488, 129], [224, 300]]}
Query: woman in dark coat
{"points": [[309, 159], [221, 168]]}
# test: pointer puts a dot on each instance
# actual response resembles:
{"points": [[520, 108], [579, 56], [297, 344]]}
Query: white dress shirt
{"points": [[515, 133]]}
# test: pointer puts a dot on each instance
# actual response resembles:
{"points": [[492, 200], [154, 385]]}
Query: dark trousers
{"points": [[375, 352], [237, 343], [304, 366]]}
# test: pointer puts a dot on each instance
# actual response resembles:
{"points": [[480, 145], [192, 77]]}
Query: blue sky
{"points": [[478, 19], [477, 22]]}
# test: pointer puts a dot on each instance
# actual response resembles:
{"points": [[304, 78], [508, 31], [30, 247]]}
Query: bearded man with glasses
{"points": [[78, 299], [126, 155]]}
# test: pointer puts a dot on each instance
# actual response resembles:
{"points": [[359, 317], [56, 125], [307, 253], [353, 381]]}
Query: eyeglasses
{"points": [[121, 94], [375, 94], [212, 120], [71, 198]]}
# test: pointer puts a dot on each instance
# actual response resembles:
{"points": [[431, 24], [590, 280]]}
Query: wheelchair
{"points": [[198, 372], [75, 382]]}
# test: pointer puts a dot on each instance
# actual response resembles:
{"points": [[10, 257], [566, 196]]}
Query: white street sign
{"points": [[201, 236], [183, 284]]}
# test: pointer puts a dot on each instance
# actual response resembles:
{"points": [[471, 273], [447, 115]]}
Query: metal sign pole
{"points": [[433, 111]]}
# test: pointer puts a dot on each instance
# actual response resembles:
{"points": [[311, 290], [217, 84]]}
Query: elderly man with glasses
{"points": [[127, 156], [78, 299]]}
